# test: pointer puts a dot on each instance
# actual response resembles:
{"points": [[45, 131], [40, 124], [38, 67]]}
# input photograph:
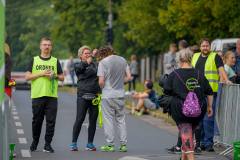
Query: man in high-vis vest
{"points": [[209, 63], [44, 71]]}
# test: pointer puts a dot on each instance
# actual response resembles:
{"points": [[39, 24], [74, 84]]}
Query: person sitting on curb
{"points": [[146, 100]]}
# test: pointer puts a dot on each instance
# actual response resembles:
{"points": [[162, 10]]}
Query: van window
{"points": [[213, 47], [229, 47]]}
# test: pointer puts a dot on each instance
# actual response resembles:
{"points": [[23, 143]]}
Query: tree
{"points": [[201, 18], [27, 23], [144, 28]]}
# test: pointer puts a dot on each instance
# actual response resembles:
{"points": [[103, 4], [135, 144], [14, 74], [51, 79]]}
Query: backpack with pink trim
{"points": [[191, 107]]}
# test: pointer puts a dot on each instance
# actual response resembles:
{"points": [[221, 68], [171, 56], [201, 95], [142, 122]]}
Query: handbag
{"points": [[89, 96], [165, 103]]}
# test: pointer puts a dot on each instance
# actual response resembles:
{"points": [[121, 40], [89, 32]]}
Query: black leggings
{"points": [[82, 107], [132, 81]]}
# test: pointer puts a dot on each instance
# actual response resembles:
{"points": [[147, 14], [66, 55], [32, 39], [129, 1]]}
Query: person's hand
{"points": [[94, 52], [209, 111], [170, 65], [229, 82], [46, 72]]}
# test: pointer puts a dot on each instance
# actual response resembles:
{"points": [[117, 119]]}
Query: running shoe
{"points": [[90, 147], [123, 149], [74, 146], [107, 148]]}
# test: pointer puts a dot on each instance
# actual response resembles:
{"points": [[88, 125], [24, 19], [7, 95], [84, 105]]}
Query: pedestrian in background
{"points": [[111, 71], [220, 53], [44, 71], [209, 63], [195, 49], [236, 67], [87, 90], [7, 49], [229, 61], [170, 59], [134, 72], [181, 82], [71, 70]]}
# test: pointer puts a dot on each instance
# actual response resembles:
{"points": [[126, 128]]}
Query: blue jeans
{"points": [[72, 76], [207, 126]]}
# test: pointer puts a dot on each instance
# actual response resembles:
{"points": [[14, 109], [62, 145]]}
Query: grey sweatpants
{"points": [[114, 107]]}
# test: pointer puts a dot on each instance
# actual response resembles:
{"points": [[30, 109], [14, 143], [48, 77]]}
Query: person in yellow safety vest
{"points": [[209, 63], [44, 71]]}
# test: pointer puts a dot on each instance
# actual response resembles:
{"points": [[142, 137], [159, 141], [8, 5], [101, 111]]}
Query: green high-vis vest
{"points": [[42, 86], [210, 69]]}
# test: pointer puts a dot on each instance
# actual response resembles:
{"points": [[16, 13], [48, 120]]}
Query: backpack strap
{"points": [[155, 99], [185, 84]]}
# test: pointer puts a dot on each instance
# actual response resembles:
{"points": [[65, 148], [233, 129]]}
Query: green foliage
{"points": [[201, 18], [142, 18], [83, 21], [27, 23]]}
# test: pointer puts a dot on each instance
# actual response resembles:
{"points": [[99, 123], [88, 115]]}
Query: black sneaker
{"points": [[197, 150], [202, 148], [174, 150], [47, 148], [209, 149], [33, 146]]}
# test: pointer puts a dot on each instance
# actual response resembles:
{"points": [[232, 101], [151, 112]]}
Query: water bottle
{"points": [[133, 108], [13, 88]]}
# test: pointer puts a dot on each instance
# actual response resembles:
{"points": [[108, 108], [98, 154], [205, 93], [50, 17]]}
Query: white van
{"points": [[65, 63], [224, 45]]}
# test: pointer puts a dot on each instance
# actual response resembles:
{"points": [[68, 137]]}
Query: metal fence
{"points": [[4, 128], [228, 116]]}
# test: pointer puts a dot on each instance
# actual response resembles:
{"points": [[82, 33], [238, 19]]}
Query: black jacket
{"points": [[87, 77]]}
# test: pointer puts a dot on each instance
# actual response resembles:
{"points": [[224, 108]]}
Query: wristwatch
{"points": [[57, 77], [227, 80], [92, 57]]}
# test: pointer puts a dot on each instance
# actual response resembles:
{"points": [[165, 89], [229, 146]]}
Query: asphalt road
{"points": [[147, 136]]}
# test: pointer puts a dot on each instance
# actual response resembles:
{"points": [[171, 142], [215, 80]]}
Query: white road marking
{"points": [[22, 140], [14, 109], [18, 124], [20, 131], [15, 117], [25, 153], [132, 158], [15, 113]]}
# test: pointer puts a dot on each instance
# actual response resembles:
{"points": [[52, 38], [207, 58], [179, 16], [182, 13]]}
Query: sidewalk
{"points": [[161, 120]]}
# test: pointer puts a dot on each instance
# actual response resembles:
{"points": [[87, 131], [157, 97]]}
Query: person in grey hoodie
{"points": [[134, 71], [170, 59]]}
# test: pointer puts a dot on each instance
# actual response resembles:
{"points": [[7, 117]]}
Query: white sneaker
{"points": [[133, 92], [128, 93]]}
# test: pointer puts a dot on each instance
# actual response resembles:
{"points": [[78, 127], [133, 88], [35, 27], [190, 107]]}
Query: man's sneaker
{"points": [[47, 148], [74, 146], [209, 149], [90, 147], [174, 150], [123, 149], [197, 150], [33, 146], [107, 148]]}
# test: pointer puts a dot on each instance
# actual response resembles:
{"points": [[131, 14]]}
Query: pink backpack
{"points": [[191, 107]]}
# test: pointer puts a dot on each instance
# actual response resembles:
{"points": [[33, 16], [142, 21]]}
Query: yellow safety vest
{"points": [[210, 69], [42, 86]]}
